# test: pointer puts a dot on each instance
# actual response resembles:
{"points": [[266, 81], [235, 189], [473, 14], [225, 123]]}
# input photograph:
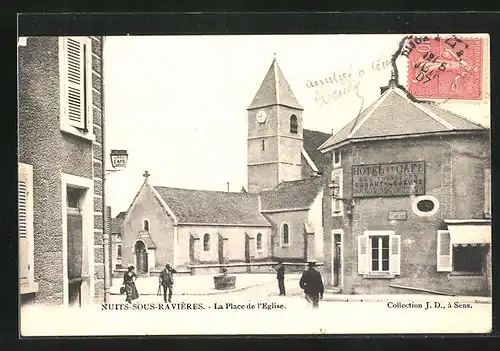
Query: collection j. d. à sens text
{"points": [[428, 305]]}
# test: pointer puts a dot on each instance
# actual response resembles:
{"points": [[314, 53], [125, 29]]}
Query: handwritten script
{"points": [[340, 84]]}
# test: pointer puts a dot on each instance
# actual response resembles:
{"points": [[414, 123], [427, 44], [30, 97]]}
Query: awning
{"points": [[149, 243], [223, 235], [195, 236], [308, 228], [469, 234], [147, 240]]}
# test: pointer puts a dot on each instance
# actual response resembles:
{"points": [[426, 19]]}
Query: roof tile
{"points": [[274, 90], [312, 141], [394, 113], [213, 207], [292, 195]]}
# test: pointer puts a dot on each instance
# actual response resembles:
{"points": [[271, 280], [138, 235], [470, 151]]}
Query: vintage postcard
{"points": [[277, 184]]}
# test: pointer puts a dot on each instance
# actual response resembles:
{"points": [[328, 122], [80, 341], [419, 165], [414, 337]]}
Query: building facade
{"points": [[116, 241], [420, 180], [60, 170], [191, 227], [280, 216]]}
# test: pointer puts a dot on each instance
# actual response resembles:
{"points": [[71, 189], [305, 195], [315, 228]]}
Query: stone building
{"points": [[60, 170], [116, 241], [420, 180], [279, 216]]}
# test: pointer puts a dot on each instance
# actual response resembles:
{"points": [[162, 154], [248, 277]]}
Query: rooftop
{"points": [[396, 113]]}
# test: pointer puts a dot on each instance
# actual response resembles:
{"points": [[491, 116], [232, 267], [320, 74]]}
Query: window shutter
{"points": [[363, 258], [25, 217], [444, 263], [75, 243], [487, 193], [395, 255], [337, 204], [74, 51]]}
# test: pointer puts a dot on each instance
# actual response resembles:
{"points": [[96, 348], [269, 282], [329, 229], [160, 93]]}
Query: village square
{"points": [[392, 206]]}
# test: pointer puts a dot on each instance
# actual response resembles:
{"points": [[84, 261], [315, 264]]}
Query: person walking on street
{"points": [[129, 283], [167, 282], [280, 275], [312, 284]]}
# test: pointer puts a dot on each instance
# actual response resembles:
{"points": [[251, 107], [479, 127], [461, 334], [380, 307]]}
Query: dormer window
{"points": [[337, 158], [294, 126]]}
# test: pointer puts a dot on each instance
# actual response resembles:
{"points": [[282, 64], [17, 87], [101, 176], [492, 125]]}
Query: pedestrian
{"points": [[129, 283], [312, 284], [280, 275], [167, 281]]}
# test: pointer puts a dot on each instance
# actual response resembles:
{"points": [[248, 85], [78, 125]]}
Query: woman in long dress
{"points": [[129, 282]]}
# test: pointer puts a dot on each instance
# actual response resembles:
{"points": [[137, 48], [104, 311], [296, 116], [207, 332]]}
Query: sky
{"points": [[177, 104]]}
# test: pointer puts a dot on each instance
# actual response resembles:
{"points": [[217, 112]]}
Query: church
{"points": [[279, 216]]}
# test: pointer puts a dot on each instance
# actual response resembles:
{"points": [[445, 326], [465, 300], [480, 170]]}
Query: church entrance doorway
{"points": [[141, 257]]}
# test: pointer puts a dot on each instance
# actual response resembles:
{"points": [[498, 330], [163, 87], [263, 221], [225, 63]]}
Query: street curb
{"points": [[221, 292], [403, 298]]}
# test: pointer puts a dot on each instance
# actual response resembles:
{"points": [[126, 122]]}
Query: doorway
{"points": [[337, 260], [141, 257], [74, 221]]}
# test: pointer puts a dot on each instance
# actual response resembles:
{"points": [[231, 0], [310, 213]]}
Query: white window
{"points": [[294, 125], [145, 225], [285, 235], [336, 158], [26, 237], [461, 259], [379, 252], [425, 205], [75, 66], [206, 242], [487, 193], [337, 205], [258, 243]]}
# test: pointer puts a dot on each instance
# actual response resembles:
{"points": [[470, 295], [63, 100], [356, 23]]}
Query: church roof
{"points": [[121, 215], [116, 224], [293, 195], [395, 113], [213, 207], [312, 141], [274, 90]]}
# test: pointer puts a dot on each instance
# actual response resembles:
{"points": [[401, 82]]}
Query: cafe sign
{"points": [[388, 179]]}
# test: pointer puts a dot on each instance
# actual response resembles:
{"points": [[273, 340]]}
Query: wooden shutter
{"points": [[74, 60], [395, 254], [25, 217], [337, 204], [75, 243], [363, 257], [487, 193], [444, 251]]}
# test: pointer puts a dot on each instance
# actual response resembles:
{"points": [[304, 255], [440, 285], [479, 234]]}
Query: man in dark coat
{"points": [[280, 270], [167, 281], [312, 284]]}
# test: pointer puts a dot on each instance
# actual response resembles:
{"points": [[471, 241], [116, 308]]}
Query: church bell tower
{"points": [[275, 133]]}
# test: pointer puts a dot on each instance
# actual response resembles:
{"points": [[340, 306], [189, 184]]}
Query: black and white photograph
{"points": [[254, 184]]}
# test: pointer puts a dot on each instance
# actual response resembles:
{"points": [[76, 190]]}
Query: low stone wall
{"points": [[254, 267], [118, 273]]}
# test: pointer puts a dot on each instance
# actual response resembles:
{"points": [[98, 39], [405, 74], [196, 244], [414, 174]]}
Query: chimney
{"points": [[227, 186], [392, 83]]}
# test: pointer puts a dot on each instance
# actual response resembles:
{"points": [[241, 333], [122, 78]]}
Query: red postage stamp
{"points": [[445, 68]]}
